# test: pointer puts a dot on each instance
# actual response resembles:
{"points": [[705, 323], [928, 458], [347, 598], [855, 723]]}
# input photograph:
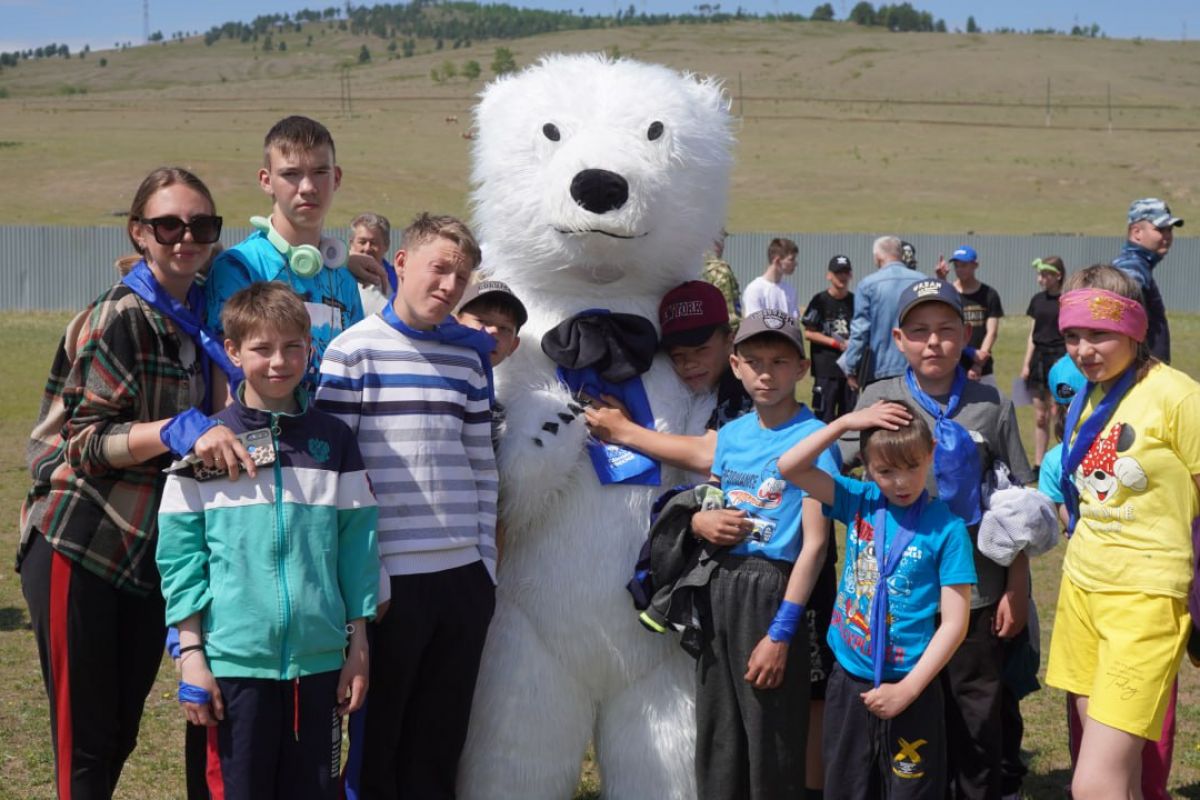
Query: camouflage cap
{"points": [[1154, 211]]}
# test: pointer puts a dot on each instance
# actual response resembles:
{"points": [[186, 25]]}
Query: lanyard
{"points": [[887, 563], [187, 318], [1074, 451]]}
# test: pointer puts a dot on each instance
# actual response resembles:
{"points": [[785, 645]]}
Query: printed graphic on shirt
{"points": [[907, 761], [1111, 478], [767, 495]]}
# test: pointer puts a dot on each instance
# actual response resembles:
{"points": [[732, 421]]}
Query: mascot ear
{"points": [[1126, 437], [709, 93]]}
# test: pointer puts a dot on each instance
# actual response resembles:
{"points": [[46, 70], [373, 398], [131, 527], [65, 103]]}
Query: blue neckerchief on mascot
{"points": [[956, 464], [450, 331], [1074, 449], [887, 563], [598, 353], [188, 319]]}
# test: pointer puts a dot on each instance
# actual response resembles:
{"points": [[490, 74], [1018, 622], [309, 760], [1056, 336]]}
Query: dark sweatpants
{"points": [[100, 649], [424, 660], [832, 397], [279, 739], [973, 684], [868, 758], [750, 743]]}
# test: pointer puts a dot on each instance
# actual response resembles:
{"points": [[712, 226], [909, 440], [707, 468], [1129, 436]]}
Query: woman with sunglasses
{"points": [[128, 389]]}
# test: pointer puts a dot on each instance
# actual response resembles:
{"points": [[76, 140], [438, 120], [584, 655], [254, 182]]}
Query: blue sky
{"points": [[100, 23]]}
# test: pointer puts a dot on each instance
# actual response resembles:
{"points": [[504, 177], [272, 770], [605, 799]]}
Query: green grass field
{"points": [[841, 128], [155, 770]]}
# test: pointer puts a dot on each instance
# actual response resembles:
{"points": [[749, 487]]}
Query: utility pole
{"points": [[1047, 101], [145, 20], [344, 86]]}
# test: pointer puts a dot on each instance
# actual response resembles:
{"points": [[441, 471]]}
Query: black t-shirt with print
{"points": [[978, 307], [1043, 308], [831, 316]]}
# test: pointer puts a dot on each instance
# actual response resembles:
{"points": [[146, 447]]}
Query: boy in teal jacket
{"points": [[271, 576]]}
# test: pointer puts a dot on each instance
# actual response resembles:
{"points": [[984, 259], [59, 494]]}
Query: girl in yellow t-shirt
{"points": [[1131, 468]]}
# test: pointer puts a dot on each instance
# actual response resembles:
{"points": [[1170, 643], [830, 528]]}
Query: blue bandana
{"points": [[450, 331], [1073, 452], [956, 464], [887, 564], [188, 319]]}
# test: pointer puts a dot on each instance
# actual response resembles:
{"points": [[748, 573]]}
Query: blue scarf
{"points": [[188, 319], [956, 464], [450, 331], [1074, 452], [887, 564]]}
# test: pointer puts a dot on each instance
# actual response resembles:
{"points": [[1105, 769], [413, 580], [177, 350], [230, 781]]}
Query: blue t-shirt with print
{"points": [[747, 463], [1050, 473], [330, 297], [940, 555]]}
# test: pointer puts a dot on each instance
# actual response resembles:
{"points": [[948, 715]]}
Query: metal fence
{"points": [[59, 268]]}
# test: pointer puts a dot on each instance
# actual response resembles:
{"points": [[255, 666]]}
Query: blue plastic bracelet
{"points": [[787, 619], [190, 693]]}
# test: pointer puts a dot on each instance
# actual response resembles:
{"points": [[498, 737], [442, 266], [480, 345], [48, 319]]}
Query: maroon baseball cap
{"points": [[689, 313]]}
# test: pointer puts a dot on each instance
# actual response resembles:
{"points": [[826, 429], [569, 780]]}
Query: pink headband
{"points": [[1102, 310]]}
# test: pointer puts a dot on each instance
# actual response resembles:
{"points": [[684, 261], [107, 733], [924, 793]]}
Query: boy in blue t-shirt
{"points": [[300, 175], [884, 719], [752, 685]]}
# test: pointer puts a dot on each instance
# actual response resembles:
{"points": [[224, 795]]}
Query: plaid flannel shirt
{"points": [[117, 364]]}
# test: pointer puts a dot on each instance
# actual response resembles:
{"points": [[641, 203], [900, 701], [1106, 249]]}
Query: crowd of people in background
{"points": [[349, 569]]}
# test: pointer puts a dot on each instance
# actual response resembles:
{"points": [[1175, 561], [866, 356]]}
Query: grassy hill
{"points": [[842, 128]]}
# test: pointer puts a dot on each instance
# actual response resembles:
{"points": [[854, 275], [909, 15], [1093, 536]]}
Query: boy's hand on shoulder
{"points": [[723, 527], [767, 663], [220, 449], [889, 700], [881, 414], [368, 271]]}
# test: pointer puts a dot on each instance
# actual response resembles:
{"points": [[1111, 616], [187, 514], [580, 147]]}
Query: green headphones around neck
{"points": [[304, 259]]}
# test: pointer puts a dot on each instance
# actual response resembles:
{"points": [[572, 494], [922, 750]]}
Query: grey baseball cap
{"points": [[775, 323], [1154, 211]]}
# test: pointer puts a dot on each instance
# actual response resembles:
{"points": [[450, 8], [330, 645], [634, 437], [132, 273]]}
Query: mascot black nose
{"points": [[599, 190]]}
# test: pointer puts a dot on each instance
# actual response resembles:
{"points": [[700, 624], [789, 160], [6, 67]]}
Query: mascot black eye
{"points": [[550, 130], [655, 131]]}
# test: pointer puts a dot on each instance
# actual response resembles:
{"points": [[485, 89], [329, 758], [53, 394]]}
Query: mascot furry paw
{"points": [[599, 184]]}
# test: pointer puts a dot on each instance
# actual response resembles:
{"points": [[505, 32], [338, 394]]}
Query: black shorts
{"points": [[832, 397], [1039, 367], [818, 613]]}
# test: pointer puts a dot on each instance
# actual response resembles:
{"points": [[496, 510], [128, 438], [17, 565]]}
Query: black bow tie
{"points": [[617, 346]]}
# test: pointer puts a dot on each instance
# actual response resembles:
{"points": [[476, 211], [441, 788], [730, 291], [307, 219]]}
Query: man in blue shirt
{"points": [[1151, 232], [870, 355]]}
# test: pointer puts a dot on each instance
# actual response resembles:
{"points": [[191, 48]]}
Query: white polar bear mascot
{"points": [[599, 184]]}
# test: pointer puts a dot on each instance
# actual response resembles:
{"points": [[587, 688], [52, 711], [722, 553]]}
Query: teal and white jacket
{"points": [[277, 564]]}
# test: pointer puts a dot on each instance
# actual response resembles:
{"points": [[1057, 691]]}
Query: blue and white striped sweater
{"points": [[421, 412]]}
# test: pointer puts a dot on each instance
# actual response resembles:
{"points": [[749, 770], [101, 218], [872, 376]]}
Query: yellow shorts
{"points": [[1122, 651]]}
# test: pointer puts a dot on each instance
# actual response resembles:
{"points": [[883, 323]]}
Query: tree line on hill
{"points": [[461, 23]]}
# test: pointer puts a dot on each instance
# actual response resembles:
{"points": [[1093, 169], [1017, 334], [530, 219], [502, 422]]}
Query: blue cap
{"points": [[927, 291], [1154, 211], [1065, 380], [964, 253]]}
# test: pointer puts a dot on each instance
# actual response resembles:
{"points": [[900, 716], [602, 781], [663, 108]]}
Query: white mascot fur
{"points": [[566, 660]]}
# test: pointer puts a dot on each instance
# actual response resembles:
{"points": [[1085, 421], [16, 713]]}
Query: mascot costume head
{"points": [[599, 183]]}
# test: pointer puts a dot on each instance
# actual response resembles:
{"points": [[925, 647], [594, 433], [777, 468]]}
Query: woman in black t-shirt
{"points": [[1045, 347]]}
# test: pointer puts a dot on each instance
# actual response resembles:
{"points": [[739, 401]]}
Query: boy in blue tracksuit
{"points": [[300, 175], [272, 576]]}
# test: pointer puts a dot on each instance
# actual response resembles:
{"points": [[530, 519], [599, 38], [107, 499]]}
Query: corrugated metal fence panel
{"points": [[58, 268], [1004, 261]]}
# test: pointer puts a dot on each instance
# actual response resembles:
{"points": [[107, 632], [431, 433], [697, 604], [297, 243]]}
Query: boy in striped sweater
{"points": [[415, 386]]}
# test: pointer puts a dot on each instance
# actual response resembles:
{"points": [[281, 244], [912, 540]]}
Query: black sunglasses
{"points": [[170, 230]]}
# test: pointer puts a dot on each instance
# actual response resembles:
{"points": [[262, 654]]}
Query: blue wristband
{"points": [[173, 642], [190, 693], [787, 619], [181, 433]]}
